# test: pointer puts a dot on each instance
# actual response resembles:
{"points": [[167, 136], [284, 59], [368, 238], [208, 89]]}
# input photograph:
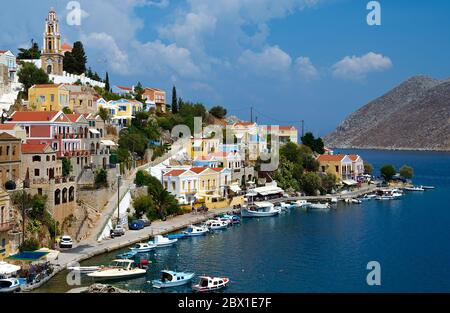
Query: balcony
{"points": [[76, 153], [6, 226], [58, 180]]}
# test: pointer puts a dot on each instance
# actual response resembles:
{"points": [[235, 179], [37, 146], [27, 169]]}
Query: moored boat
{"points": [[302, 204], [143, 247], [260, 209], [427, 187], [196, 231], [208, 283], [118, 269], [172, 279], [127, 255], [319, 206], [176, 236], [160, 241], [414, 188], [217, 224], [9, 285], [84, 269]]}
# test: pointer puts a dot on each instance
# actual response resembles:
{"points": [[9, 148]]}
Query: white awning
{"points": [[267, 190], [350, 182], [108, 143], [94, 131], [235, 188], [8, 269]]}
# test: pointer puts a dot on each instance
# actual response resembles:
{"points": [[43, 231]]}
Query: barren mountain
{"points": [[415, 115]]}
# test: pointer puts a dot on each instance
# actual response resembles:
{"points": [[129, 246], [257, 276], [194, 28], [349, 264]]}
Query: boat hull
{"points": [[248, 213], [160, 284], [117, 276]]}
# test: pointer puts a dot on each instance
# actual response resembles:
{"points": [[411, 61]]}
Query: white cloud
{"points": [[269, 61], [355, 68], [306, 69]]}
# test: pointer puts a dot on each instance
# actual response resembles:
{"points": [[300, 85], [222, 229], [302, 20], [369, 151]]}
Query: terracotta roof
{"points": [[73, 117], [124, 88], [34, 147], [353, 157], [175, 173], [198, 170], [217, 169], [3, 51], [7, 126], [66, 46], [33, 116], [329, 157]]}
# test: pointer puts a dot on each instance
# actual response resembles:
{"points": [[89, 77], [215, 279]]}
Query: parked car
{"points": [[66, 242], [118, 231], [136, 225], [146, 222]]}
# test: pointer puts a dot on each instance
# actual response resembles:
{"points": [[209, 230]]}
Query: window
{"points": [[48, 158], [53, 158], [337, 169], [52, 98], [36, 172], [36, 158], [1, 150], [14, 150], [7, 150]]}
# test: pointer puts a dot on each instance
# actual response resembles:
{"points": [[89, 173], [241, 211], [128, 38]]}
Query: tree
{"points": [[328, 182], [138, 91], [368, 168], [174, 100], [143, 205], [310, 183], [29, 245], [218, 111], [284, 176], [75, 62], [316, 145], [66, 167], [406, 171], [104, 114], [101, 178], [32, 53], [67, 110], [165, 203], [107, 86], [30, 75], [387, 172]]}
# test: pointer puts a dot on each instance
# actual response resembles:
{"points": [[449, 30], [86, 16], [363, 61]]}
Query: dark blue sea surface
{"points": [[325, 251]]}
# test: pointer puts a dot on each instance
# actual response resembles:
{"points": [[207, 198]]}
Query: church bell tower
{"points": [[52, 56]]}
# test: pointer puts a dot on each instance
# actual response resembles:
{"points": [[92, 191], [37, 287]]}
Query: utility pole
{"points": [[118, 199]]}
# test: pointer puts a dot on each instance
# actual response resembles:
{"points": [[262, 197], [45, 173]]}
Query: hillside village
{"points": [[71, 142]]}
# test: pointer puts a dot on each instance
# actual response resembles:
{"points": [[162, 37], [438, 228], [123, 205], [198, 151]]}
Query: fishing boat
{"points": [[368, 197], [176, 236], [208, 283], [234, 219], [217, 224], [160, 241], [172, 279], [143, 247], [302, 204], [8, 285], [83, 269], [414, 188], [118, 269], [319, 206], [260, 209], [196, 231], [388, 194]]}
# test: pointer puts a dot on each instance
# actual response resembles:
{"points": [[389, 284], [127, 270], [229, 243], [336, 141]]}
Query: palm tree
{"points": [[162, 200]]}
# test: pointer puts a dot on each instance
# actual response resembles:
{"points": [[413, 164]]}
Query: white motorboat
{"points": [[334, 200], [8, 285], [427, 187], [356, 201], [84, 269], [414, 188], [160, 241], [208, 283], [260, 209], [319, 206], [217, 224], [118, 269], [196, 231], [143, 247], [172, 279], [302, 204]]}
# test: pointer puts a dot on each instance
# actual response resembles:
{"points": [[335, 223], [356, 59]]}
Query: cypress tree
{"points": [[107, 87], [174, 100]]}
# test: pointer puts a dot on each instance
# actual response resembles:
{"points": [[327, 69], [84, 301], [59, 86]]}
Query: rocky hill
{"points": [[414, 115]]}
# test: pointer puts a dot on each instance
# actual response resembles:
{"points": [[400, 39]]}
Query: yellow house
{"points": [[125, 110], [49, 97], [337, 164], [200, 147]]}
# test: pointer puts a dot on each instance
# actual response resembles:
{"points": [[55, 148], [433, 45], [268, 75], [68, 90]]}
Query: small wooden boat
{"points": [[196, 231], [84, 269], [172, 279], [118, 269], [208, 283], [9, 285], [143, 247], [160, 241]]}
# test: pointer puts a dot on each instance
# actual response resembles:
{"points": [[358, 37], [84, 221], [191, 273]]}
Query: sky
{"points": [[291, 60]]}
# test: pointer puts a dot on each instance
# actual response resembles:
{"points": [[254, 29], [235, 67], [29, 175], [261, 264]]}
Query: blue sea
{"points": [[325, 251]]}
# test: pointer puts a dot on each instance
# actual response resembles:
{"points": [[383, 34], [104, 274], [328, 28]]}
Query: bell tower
{"points": [[52, 56]]}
